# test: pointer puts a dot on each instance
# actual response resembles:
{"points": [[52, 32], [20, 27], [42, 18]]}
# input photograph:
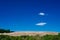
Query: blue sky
{"points": [[23, 15]]}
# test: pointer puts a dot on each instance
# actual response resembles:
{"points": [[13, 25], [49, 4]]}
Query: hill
{"points": [[30, 33]]}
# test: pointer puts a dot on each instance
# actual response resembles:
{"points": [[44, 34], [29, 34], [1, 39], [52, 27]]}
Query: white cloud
{"points": [[41, 24], [42, 14]]}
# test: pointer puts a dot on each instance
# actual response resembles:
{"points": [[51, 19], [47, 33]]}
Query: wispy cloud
{"points": [[41, 24], [42, 14]]}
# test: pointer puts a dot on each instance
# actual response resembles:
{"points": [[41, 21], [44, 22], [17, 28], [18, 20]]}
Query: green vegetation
{"points": [[46, 37], [37, 37], [5, 31]]}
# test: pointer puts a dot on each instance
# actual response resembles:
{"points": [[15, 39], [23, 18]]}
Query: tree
{"points": [[5, 31]]}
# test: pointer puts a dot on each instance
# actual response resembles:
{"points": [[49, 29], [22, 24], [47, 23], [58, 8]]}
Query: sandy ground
{"points": [[30, 33]]}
